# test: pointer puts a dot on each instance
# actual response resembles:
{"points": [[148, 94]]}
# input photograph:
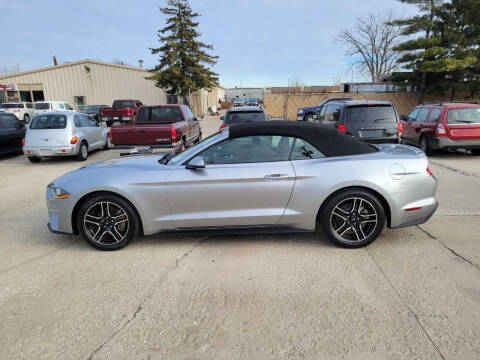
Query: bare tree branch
{"points": [[370, 45]]}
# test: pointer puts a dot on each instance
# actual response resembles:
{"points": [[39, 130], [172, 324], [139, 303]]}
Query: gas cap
{"points": [[397, 171]]}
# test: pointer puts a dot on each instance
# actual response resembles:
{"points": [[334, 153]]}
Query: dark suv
{"points": [[243, 114], [367, 120], [308, 113], [443, 125]]}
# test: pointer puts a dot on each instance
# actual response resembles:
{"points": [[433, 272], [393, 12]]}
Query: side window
{"points": [[92, 121], [85, 121], [189, 113], [76, 121], [423, 115], [8, 121], [29, 106], [303, 150], [413, 114], [435, 115], [249, 149], [21, 106], [331, 112], [61, 106]]}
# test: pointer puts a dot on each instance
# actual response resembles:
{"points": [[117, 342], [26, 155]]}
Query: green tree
{"points": [[184, 65], [417, 52]]}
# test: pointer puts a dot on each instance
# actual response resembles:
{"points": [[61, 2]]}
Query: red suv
{"points": [[445, 125]]}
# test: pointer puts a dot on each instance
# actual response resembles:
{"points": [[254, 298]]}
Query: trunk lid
{"points": [[47, 137], [463, 131], [141, 134], [372, 122]]}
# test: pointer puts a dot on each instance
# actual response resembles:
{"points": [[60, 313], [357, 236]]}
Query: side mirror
{"points": [[222, 118], [196, 163], [199, 118]]}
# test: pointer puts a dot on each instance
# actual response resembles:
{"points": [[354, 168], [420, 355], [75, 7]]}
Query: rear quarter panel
{"points": [[317, 179]]}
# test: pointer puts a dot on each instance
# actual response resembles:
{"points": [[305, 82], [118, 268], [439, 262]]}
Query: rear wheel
{"points": [[423, 145], [107, 222], [352, 218], [105, 147], [83, 151], [199, 138], [475, 152], [34, 159], [182, 147]]}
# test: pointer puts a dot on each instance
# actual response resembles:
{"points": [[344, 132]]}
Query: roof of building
{"points": [[55, 67], [326, 139]]}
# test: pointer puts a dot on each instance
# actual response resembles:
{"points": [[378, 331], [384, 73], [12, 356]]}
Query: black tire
{"points": [[347, 218], [182, 147], [105, 147], [475, 152], [26, 118], [423, 145], [116, 227], [34, 159], [82, 151], [109, 123], [308, 117], [199, 138]]}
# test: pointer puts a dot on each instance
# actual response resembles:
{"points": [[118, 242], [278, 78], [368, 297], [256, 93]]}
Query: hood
{"points": [[134, 163]]}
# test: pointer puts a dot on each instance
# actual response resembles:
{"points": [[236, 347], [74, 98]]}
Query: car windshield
{"points": [[159, 115], [91, 108], [118, 104], [50, 121], [10, 106], [41, 106], [376, 113], [467, 115], [212, 139], [244, 116]]}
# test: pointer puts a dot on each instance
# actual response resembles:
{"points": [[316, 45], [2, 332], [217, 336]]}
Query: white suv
{"points": [[22, 110], [47, 106]]}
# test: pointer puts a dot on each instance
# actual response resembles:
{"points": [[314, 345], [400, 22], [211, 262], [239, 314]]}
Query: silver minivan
{"points": [[63, 134]]}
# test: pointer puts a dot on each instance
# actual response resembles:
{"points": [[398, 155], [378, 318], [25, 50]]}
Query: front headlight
{"points": [[59, 193], [300, 111]]}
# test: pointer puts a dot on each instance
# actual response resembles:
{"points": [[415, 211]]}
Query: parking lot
{"points": [[414, 293]]}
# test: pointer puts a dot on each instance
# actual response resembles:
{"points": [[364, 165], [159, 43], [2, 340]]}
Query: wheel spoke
{"points": [[340, 209], [344, 231], [354, 203], [361, 230], [115, 236], [108, 209], [97, 223], [340, 216], [120, 222], [368, 221], [341, 227], [356, 234], [101, 236]]}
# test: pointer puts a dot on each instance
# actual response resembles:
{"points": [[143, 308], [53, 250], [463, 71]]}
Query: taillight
{"points": [[222, 126], [400, 128], [74, 140], [341, 128], [129, 112], [23, 142], [110, 134], [441, 131], [430, 173], [173, 134]]}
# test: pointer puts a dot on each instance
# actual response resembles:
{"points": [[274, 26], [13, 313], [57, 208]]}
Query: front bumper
{"points": [[50, 151], [59, 213], [444, 142]]}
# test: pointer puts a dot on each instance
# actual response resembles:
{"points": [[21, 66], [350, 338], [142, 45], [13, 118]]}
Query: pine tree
{"points": [[184, 65], [416, 52]]}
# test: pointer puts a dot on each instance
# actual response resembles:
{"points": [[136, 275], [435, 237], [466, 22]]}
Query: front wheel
{"points": [[82, 152], [352, 218], [107, 222], [308, 117]]}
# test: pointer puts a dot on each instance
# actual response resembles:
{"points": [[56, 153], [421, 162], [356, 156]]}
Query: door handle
{"points": [[276, 177]]}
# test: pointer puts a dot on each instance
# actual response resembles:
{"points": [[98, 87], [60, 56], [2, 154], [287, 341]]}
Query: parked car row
{"points": [[441, 125]]}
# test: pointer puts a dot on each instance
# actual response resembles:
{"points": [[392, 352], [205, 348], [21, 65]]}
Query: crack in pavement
{"points": [[147, 297], [461, 172], [448, 248], [405, 303]]}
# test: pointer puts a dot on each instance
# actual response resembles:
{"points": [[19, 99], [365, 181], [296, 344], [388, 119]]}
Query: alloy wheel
{"points": [[106, 223], [353, 219]]}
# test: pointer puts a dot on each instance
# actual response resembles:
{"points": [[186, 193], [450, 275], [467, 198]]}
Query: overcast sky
{"points": [[259, 42]]}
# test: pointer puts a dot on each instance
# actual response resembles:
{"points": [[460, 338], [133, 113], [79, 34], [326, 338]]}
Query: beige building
{"points": [[90, 82]]}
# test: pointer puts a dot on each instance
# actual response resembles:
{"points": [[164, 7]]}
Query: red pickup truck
{"points": [[122, 111], [159, 126]]}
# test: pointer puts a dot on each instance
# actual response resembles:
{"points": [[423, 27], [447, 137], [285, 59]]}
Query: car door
{"points": [[420, 123], [246, 182], [12, 131], [194, 126], [408, 131], [96, 132]]}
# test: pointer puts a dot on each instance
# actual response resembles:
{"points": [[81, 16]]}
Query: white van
{"points": [[22, 110], [41, 107]]}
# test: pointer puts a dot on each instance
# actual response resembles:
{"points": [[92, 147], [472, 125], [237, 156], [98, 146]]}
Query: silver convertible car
{"points": [[274, 176]]}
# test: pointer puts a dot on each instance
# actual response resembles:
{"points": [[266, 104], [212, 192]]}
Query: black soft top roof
{"points": [[326, 139]]}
